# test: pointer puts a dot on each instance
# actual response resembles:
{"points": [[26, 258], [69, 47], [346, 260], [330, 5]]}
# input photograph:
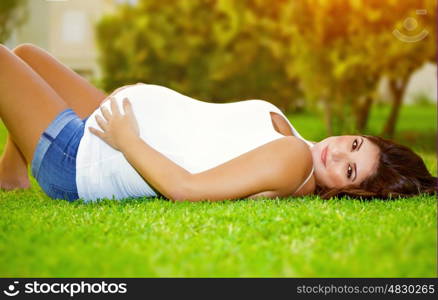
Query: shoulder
{"points": [[293, 164], [294, 145]]}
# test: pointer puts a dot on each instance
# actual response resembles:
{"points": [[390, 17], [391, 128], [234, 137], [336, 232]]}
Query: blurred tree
{"points": [[340, 49], [326, 53], [313, 37], [413, 45], [12, 15], [211, 50], [333, 51]]}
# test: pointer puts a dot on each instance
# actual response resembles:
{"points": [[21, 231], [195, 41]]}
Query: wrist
{"points": [[128, 140]]}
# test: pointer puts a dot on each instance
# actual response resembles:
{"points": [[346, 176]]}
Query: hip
{"points": [[54, 161]]}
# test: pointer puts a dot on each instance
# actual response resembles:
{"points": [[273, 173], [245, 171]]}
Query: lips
{"points": [[324, 156]]}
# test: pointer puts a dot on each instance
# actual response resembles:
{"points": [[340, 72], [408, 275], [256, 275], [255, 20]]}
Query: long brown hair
{"points": [[400, 173]]}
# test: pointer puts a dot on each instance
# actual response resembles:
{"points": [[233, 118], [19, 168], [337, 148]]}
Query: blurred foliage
{"points": [[330, 52], [340, 49], [210, 50], [13, 13]]}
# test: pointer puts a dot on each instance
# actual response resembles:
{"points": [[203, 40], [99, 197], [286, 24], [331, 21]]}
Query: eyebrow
{"points": [[355, 166]]}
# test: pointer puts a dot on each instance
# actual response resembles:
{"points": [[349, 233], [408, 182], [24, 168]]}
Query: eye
{"points": [[349, 171], [355, 143]]}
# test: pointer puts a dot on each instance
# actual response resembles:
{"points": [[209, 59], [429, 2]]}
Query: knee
{"points": [[3, 48], [4, 51], [22, 49]]}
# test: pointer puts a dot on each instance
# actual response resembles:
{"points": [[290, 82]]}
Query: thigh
{"points": [[78, 93], [27, 103], [55, 169]]}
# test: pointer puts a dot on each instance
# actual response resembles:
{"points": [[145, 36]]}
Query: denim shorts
{"points": [[54, 160]]}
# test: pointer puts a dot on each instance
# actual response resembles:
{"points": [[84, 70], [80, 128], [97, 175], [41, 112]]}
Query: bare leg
{"points": [[27, 103], [13, 168], [79, 95]]}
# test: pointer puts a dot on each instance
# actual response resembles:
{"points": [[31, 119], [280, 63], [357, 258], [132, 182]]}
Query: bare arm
{"points": [[277, 168], [273, 167]]}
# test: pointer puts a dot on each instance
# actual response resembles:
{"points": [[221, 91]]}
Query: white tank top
{"points": [[194, 134]]}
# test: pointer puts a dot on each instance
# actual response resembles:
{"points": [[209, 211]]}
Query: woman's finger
{"points": [[127, 107], [96, 132], [114, 106], [102, 123], [105, 113]]}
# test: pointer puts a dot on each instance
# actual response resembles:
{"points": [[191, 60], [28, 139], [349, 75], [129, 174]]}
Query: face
{"points": [[345, 160]]}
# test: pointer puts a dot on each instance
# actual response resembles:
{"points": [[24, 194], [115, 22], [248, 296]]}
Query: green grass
{"points": [[293, 237]]}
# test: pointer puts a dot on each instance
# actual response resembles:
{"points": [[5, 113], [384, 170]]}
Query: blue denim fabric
{"points": [[54, 161]]}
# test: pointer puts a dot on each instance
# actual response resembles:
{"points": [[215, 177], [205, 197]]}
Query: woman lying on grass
{"points": [[83, 144]]}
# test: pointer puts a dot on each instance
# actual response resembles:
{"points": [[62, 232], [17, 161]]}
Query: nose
{"points": [[338, 155]]}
